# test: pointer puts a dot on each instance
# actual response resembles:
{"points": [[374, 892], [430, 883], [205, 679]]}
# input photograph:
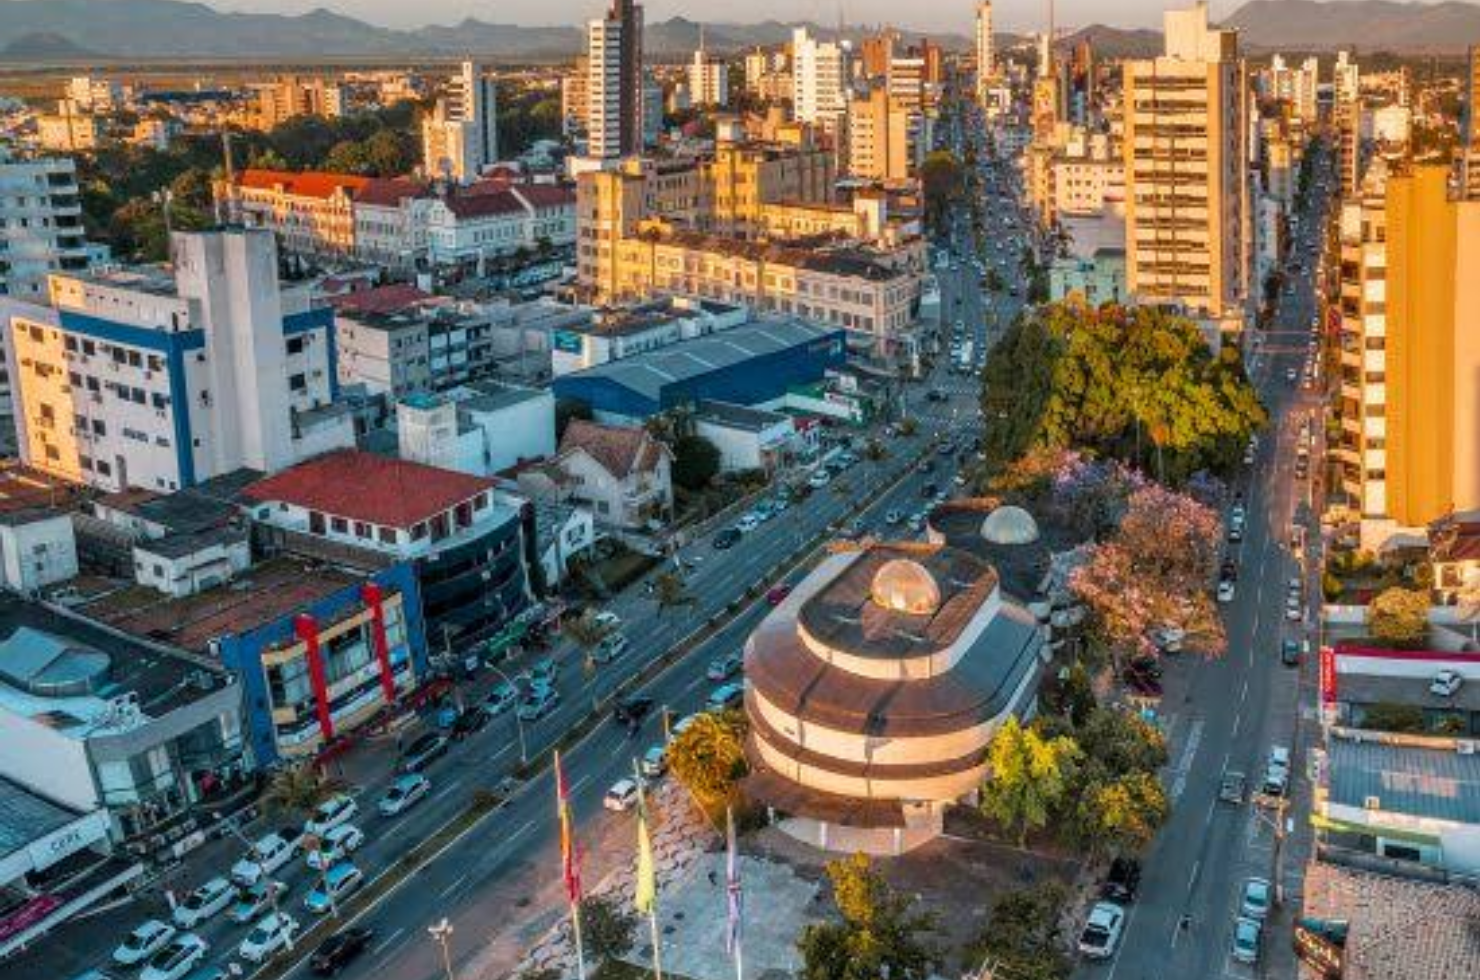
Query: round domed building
{"points": [[874, 689]]}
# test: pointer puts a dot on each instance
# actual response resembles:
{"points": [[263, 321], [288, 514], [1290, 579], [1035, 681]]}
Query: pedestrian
{"points": [[713, 880]]}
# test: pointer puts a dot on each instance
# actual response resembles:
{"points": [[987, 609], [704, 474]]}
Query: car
{"points": [[272, 933], [612, 648], [777, 594], [1290, 653], [724, 667], [1445, 683], [1294, 608], [146, 940], [207, 972], [1225, 590], [682, 725], [1144, 685], [1291, 374], [1232, 787], [503, 696], [468, 722], [1228, 570], [1246, 935], [336, 951], [335, 846], [819, 479], [540, 701], [1235, 533], [337, 809], [1255, 898], [403, 793], [175, 959], [338, 883], [208, 900], [1102, 931], [607, 620], [632, 710], [654, 762], [622, 796], [747, 523], [424, 750], [726, 539], [543, 673], [1123, 880], [725, 696], [253, 901], [893, 517], [262, 859], [1238, 514], [1276, 780], [916, 521]]}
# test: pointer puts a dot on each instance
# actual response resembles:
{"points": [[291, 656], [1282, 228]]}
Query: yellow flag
{"points": [[647, 882]]}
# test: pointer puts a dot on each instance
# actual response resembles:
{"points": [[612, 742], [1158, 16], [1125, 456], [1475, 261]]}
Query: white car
{"points": [[265, 857], [819, 479], [331, 813], [1225, 590], [405, 791], [251, 903], [622, 796], [203, 903], [271, 934], [1294, 608], [177, 958], [747, 523], [143, 942], [1102, 931], [335, 846], [654, 762], [338, 883], [1445, 683]]}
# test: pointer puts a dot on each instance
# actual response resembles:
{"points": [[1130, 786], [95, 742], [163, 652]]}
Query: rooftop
{"points": [[620, 450], [196, 509], [264, 593], [362, 486], [735, 416], [1409, 779], [381, 299], [822, 255], [26, 494], [26, 818], [493, 396]]}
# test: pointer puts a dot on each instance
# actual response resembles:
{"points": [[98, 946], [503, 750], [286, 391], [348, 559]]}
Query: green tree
{"points": [[670, 591], [880, 934], [695, 462], [1399, 616], [1385, 716], [1029, 777], [586, 631], [296, 790], [943, 180], [1122, 742], [1022, 939], [708, 757], [1121, 815], [566, 410], [606, 929], [346, 157]]}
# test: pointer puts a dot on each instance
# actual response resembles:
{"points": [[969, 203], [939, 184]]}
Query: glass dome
{"points": [[904, 586], [1010, 525]]}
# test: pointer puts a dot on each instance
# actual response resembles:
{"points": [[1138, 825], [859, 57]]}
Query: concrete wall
{"points": [[46, 761], [37, 554]]}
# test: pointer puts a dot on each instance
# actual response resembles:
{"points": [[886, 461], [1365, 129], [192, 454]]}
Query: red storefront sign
{"points": [[308, 632], [28, 915], [1328, 676]]}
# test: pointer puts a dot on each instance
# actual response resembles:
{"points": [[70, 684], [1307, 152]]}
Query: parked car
{"points": [[1290, 653], [622, 796], [146, 940], [1123, 880], [723, 667], [1255, 898], [338, 883], [262, 859], [748, 523], [469, 721], [1225, 591], [1247, 933], [1143, 684], [725, 696], [339, 843], [404, 792], [339, 949], [543, 673], [175, 959], [726, 539], [654, 762], [204, 903], [777, 594], [254, 901], [612, 647], [1102, 931], [893, 517], [632, 710], [539, 702], [273, 933], [500, 699], [337, 809], [819, 479], [423, 752], [1446, 683]]}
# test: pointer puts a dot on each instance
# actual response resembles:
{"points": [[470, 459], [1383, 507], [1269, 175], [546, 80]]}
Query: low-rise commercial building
{"points": [[481, 428], [615, 333]]}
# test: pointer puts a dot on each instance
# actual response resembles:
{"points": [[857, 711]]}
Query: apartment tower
{"points": [[615, 86], [985, 64]]}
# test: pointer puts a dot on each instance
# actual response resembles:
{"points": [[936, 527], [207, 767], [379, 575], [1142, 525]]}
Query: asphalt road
{"points": [[1235, 709]]}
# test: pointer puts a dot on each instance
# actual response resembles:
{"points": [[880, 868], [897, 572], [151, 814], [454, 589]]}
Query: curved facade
{"points": [[875, 688]]}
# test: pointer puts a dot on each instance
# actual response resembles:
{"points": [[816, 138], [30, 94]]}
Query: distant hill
{"points": [[1364, 25], [1114, 42], [39, 29], [51, 47]]}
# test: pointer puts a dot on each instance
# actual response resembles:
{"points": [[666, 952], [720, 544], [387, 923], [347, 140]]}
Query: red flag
{"points": [[570, 858]]}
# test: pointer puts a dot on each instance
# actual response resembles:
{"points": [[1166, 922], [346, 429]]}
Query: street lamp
{"points": [[518, 722], [441, 932]]}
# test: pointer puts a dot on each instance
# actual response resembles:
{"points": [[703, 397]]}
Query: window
{"points": [[362, 530], [315, 522], [297, 382], [295, 345], [99, 428], [339, 525], [387, 535]]}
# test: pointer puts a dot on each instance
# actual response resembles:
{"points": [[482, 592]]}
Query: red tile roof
{"points": [[483, 205], [546, 195], [386, 192], [389, 192], [621, 450], [380, 299], [365, 487]]}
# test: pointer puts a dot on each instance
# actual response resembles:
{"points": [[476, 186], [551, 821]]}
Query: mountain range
{"points": [[45, 30]]}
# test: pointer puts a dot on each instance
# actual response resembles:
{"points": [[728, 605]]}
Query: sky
{"points": [[940, 15]]}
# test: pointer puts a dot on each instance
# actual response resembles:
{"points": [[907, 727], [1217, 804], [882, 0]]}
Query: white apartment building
{"points": [[134, 379], [40, 224], [986, 65], [1186, 172], [465, 228], [709, 80], [1361, 450], [614, 88], [95, 94], [460, 136], [820, 73]]}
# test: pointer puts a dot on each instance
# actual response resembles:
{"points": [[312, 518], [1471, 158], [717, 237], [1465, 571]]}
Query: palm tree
{"points": [[298, 789], [587, 632]]}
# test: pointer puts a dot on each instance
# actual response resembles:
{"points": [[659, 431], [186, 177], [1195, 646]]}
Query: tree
{"points": [[1399, 616], [695, 462], [879, 935], [1022, 940], [708, 757], [1386, 716], [586, 631], [1122, 814], [942, 179], [296, 790], [1029, 777], [606, 930], [1122, 742], [670, 591]]}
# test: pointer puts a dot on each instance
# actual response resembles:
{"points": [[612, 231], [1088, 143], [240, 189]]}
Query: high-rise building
{"points": [[40, 224], [615, 90], [879, 144], [460, 136], [575, 103], [709, 80], [1469, 144], [1186, 155], [136, 379], [819, 80], [986, 66], [1346, 110], [875, 53]]}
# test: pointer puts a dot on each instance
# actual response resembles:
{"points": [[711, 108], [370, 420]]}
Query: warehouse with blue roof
{"points": [[752, 364]]}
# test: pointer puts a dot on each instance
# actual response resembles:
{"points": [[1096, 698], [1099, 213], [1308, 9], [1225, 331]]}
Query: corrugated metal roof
{"points": [[1428, 782]]}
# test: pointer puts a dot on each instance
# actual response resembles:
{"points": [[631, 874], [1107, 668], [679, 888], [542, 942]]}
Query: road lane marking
{"points": [[388, 941], [452, 887]]}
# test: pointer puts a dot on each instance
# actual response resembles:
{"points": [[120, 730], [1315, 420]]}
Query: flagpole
{"points": [[570, 870], [575, 925], [652, 905], [733, 908]]}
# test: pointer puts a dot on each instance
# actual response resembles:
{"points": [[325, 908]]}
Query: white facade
{"points": [[615, 103], [40, 224], [134, 380], [986, 66], [195, 571], [744, 448], [709, 80], [477, 429], [459, 137], [819, 79], [36, 552]]}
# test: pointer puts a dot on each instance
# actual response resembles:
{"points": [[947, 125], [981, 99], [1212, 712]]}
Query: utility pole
{"points": [[441, 932]]}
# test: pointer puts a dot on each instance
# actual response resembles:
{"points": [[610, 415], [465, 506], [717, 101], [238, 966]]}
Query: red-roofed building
{"points": [[328, 214], [495, 218], [467, 541], [620, 473]]}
